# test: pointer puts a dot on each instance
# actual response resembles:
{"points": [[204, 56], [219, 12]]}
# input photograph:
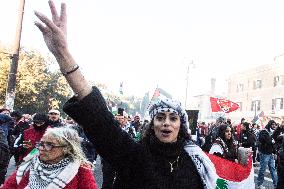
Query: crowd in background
{"points": [[222, 138]]}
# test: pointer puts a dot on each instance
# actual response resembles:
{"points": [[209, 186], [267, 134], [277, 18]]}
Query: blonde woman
{"points": [[58, 162]]}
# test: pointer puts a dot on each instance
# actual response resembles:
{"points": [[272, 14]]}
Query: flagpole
{"points": [[186, 88]]}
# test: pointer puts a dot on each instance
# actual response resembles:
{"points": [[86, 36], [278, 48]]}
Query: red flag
{"points": [[221, 104]]}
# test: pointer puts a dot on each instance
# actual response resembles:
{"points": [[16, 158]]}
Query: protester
{"points": [[247, 139], [136, 123], [280, 167], [165, 157], [266, 153], [4, 156], [5, 111], [6, 124], [28, 139], [137, 165], [20, 126], [54, 118], [60, 163], [224, 146]]}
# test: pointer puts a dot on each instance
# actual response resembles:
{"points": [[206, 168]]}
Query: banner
{"points": [[231, 175], [223, 105]]}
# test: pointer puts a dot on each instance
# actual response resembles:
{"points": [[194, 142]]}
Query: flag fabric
{"points": [[231, 175], [259, 119], [158, 94], [219, 173], [223, 105]]}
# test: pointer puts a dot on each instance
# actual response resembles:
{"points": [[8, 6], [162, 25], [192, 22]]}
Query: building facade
{"points": [[256, 90]]}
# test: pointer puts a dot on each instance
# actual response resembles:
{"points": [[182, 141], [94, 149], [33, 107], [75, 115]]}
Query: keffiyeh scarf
{"points": [[203, 165], [169, 105]]}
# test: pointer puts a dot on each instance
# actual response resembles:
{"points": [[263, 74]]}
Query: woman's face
{"points": [[228, 133], [50, 151], [166, 126]]}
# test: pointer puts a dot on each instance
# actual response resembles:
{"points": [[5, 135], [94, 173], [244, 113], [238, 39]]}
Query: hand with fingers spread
{"points": [[54, 32], [55, 37]]}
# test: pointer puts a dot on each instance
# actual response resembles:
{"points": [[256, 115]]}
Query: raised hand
{"points": [[55, 31], [55, 37]]}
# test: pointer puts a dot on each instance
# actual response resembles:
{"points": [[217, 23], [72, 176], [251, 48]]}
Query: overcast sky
{"points": [[148, 43]]}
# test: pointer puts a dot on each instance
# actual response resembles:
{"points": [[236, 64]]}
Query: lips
{"points": [[166, 132]]}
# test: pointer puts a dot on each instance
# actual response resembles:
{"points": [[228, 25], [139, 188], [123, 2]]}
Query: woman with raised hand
{"points": [[58, 162], [164, 158]]}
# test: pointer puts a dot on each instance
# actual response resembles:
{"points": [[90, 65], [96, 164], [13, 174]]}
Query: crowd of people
{"points": [[224, 138], [159, 153]]}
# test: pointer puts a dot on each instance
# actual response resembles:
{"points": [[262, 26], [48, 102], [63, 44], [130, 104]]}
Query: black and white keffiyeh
{"points": [[169, 105], [48, 175], [203, 164]]}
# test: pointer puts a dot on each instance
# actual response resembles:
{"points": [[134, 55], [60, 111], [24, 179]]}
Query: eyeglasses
{"points": [[53, 113], [48, 146]]}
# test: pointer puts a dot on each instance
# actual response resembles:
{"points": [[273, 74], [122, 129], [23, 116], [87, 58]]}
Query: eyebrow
{"points": [[164, 113]]}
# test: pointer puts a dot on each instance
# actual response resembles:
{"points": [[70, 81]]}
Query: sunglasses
{"points": [[48, 146]]}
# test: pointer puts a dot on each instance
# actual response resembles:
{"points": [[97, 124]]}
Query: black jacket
{"points": [[265, 144], [247, 139], [280, 171], [138, 165]]}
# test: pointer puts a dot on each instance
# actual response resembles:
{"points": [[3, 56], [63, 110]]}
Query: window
{"points": [[240, 106], [255, 105], [276, 81], [257, 84], [240, 87], [277, 104]]}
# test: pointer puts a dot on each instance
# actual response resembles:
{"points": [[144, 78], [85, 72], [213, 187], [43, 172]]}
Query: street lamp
{"points": [[187, 81]]}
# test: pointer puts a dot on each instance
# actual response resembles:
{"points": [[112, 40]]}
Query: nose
{"points": [[167, 121]]}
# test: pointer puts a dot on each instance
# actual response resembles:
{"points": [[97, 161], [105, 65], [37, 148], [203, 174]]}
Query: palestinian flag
{"points": [[157, 96], [260, 119], [219, 173], [231, 175]]}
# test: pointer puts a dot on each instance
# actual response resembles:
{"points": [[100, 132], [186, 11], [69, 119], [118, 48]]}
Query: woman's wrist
{"points": [[84, 91]]}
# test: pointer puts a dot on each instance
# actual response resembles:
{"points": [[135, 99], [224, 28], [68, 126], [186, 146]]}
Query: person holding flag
{"points": [[165, 157], [224, 146]]}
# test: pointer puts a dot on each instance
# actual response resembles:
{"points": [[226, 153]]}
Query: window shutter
{"points": [[273, 104], [258, 107], [282, 80], [281, 104]]}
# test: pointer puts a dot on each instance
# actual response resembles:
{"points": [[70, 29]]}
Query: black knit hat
{"points": [[39, 117]]}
